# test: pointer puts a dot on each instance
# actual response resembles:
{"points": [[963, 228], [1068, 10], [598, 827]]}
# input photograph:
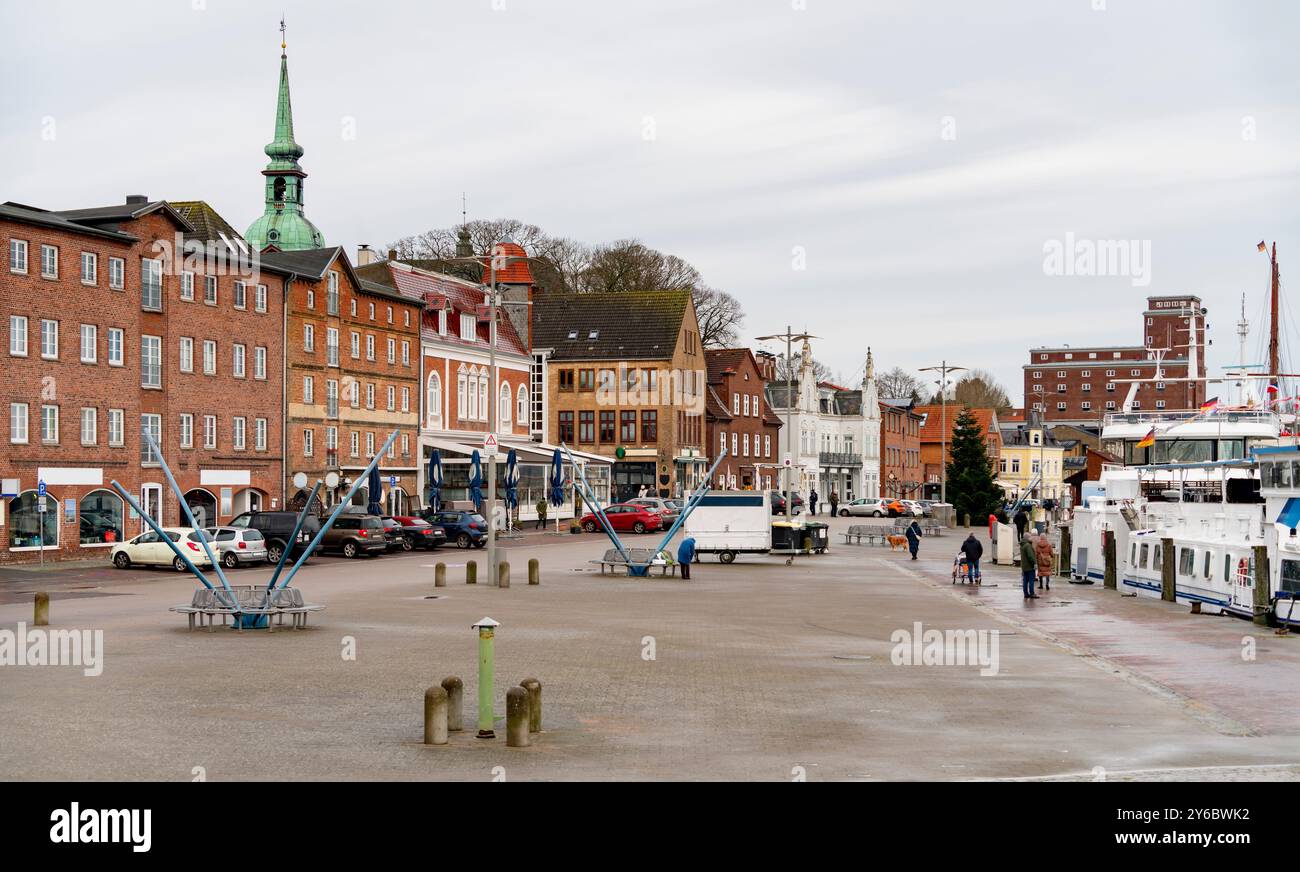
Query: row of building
{"points": [[262, 359]]}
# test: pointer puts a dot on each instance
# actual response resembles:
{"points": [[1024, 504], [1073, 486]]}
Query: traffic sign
{"points": [[40, 488], [490, 443], [392, 480], [786, 462], [41, 503]]}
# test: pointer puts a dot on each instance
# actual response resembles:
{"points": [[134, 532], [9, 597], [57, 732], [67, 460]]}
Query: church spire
{"points": [[283, 224]]}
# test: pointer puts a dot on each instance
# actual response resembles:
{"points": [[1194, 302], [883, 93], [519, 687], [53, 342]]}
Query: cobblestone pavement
{"points": [[756, 670]]}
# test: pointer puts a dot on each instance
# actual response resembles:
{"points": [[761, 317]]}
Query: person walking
{"points": [[1028, 566], [914, 538], [685, 554], [1046, 555], [973, 551], [541, 514], [812, 501], [1021, 521]]}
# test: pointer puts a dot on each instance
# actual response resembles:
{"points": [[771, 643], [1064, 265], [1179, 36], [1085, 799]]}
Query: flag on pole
{"points": [[1209, 405], [1272, 389], [1148, 440]]}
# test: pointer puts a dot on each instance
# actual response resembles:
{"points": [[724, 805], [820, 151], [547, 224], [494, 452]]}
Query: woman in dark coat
{"points": [[914, 538]]}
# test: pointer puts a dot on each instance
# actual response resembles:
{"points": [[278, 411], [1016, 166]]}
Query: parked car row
{"points": [[884, 508], [253, 538]]}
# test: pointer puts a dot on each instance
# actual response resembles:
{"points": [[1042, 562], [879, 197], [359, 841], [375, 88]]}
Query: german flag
{"points": [[1209, 405], [1149, 439]]}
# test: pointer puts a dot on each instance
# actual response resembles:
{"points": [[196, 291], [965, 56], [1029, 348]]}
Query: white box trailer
{"points": [[727, 524]]}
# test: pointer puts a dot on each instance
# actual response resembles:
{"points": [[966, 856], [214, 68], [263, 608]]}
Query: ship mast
{"points": [[1274, 365]]}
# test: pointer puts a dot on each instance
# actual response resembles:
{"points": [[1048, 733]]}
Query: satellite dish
{"points": [[331, 479], [300, 480]]}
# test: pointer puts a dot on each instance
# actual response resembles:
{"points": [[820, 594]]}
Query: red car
{"points": [[624, 516]]}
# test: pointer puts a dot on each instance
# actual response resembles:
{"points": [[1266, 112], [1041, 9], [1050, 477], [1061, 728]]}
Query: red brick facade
{"points": [[900, 452], [738, 417], [1081, 385], [121, 355]]}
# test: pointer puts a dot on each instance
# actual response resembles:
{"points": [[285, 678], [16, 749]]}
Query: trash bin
{"points": [[817, 537], [785, 537]]}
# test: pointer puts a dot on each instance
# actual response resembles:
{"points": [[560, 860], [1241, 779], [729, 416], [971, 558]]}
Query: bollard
{"points": [[42, 616], [455, 703], [1260, 553], [1108, 551], [435, 716], [440, 575], [486, 676], [1168, 584], [471, 572], [516, 718], [966, 520], [534, 571], [1066, 553], [534, 688], [503, 573]]}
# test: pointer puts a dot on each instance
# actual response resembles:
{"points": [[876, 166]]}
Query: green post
{"points": [[1168, 563], [1110, 581], [486, 676]]}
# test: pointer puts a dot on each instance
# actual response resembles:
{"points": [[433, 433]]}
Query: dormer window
{"points": [[573, 334], [468, 328], [594, 334], [442, 322]]}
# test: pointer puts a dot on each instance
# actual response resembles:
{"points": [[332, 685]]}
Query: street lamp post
{"points": [[494, 401], [943, 369], [789, 337]]}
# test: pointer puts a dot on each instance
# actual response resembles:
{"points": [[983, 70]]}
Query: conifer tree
{"points": [[971, 487]]}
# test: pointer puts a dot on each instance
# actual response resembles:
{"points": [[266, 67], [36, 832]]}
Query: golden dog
{"points": [[896, 542]]}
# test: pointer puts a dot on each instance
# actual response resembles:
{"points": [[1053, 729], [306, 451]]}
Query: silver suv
{"points": [[668, 509], [235, 547]]}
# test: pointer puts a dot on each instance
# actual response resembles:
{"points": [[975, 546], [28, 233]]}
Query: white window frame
{"points": [[18, 256], [187, 286], [117, 273], [210, 290], [116, 340], [210, 432], [187, 430], [89, 425], [49, 424], [19, 423], [17, 335], [91, 259], [52, 335], [92, 346], [186, 361], [116, 428], [52, 270], [151, 347], [238, 433], [209, 357], [238, 359]]}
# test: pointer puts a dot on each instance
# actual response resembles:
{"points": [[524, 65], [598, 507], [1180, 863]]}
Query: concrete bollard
{"points": [[455, 703], [471, 572], [534, 688], [42, 616], [435, 716], [966, 520], [517, 718], [503, 573], [534, 571], [440, 575]]}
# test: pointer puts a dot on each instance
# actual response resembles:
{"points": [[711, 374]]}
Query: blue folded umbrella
{"points": [[476, 481], [557, 479], [512, 480], [375, 487], [435, 479]]}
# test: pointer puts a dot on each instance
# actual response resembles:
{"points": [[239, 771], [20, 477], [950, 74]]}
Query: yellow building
{"points": [[1028, 449]]}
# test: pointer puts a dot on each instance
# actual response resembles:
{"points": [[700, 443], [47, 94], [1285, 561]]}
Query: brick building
{"points": [[933, 442], [626, 380], [738, 417], [353, 376], [901, 474], [118, 319], [1080, 385]]}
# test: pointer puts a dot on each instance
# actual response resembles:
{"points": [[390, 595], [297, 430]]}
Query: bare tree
{"points": [[821, 372], [899, 384], [720, 316], [979, 389]]}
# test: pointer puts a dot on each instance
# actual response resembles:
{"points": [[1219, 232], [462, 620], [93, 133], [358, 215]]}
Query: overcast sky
{"points": [[913, 157]]}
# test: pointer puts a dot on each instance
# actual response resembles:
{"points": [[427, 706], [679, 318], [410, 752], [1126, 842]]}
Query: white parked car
{"points": [[149, 550], [866, 506], [236, 546], [918, 510]]}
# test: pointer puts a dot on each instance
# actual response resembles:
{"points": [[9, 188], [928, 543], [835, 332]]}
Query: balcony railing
{"points": [[839, 458]]}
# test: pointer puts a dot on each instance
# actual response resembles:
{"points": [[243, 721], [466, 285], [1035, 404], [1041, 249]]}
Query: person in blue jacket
{"points": [[685, 554]]}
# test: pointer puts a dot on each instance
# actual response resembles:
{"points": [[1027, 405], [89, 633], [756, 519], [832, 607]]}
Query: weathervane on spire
{"points": [[283, 44]]}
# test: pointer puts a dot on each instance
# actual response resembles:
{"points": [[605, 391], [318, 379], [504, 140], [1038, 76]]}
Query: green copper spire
{"points": [[283, 224]]}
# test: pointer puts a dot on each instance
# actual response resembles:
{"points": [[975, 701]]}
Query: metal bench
{"points": [[635, 557], [207, 604]]}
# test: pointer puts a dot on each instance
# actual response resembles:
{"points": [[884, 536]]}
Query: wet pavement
{"points": [[754, 671]]}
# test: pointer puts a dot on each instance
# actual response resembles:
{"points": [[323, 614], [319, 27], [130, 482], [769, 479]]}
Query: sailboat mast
{"points": [[1274, 366]]}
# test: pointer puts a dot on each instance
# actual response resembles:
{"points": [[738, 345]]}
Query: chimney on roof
{"points": [[392, 254], [136, 199], [365, 255]]}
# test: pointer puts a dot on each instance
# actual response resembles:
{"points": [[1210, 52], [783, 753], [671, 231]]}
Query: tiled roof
{"points": [[932, 430], [515, 272], [714, 408], [57, 221], [438, 291], [622, 325], [208, 224], [720, 361]]}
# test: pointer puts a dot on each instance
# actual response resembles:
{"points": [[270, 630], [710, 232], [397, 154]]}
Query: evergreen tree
{"points": [[971, 488]]}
